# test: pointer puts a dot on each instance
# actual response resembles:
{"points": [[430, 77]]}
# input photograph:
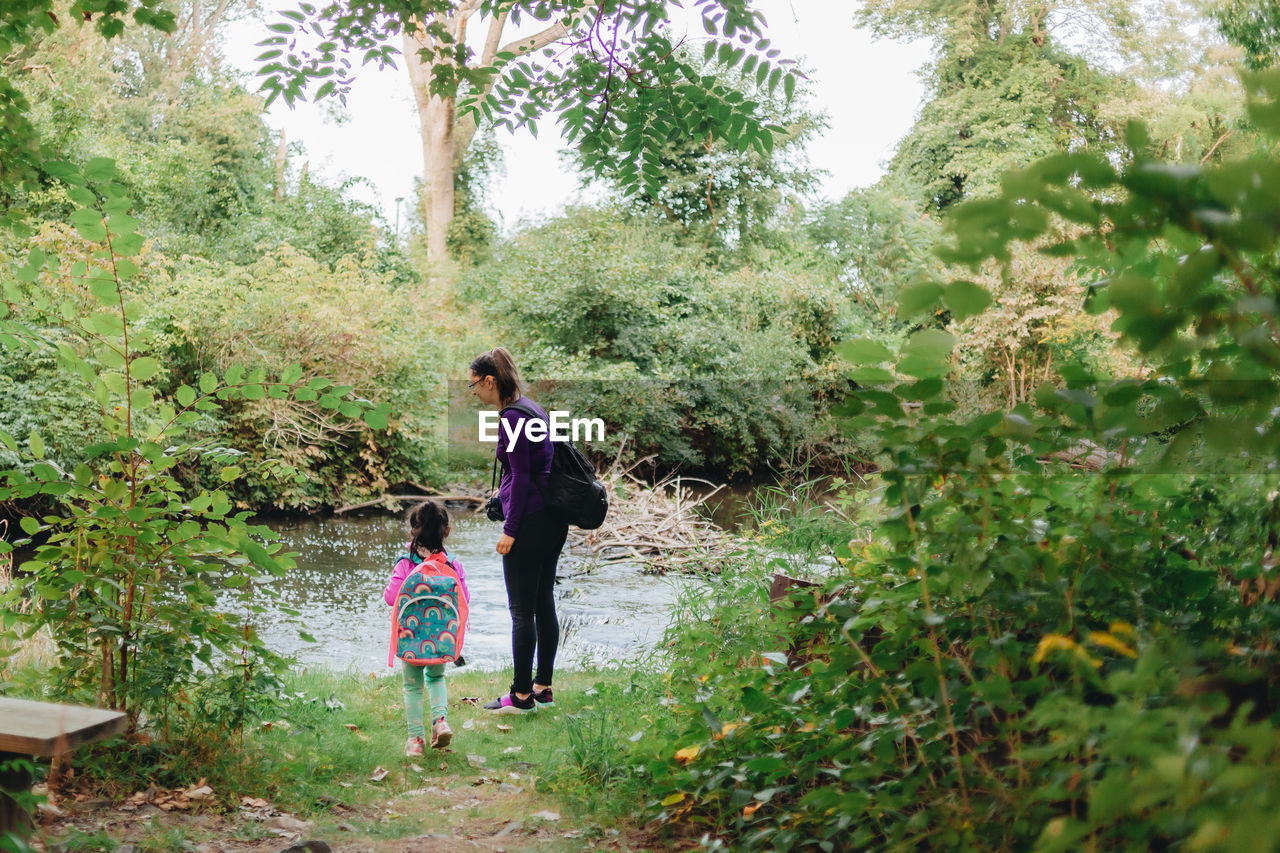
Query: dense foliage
{"points": [[1055, 628], [705, 368], [129, 562]]}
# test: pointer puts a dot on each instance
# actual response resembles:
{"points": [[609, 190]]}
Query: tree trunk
{"points": [[435, 120], [282, 152], [444, 139]]}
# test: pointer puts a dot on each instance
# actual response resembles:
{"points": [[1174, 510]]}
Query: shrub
{"points": [[1033, 653], [701, 368]]}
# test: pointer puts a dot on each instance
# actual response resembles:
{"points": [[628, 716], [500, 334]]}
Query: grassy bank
{"points": [[330, 755]]}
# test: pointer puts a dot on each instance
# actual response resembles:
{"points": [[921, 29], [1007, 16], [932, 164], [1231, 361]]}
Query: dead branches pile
{"points": [[659, 526]]}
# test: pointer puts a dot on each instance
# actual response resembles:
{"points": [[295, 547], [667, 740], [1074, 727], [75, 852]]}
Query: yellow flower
{"points": [[1052, 643], [684, 756], [1121, 628], [1101, 638]]}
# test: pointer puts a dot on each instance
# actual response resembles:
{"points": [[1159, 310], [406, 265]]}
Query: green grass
{"points": [[308, 756]]}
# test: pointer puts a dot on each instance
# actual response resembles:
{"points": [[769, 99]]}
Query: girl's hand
{"points": [[504, 544]]}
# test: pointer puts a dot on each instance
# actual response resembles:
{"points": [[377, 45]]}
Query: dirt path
{"points": [[485, 814]]}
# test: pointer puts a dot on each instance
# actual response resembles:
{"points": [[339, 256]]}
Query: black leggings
{"points": [[530, 572]]}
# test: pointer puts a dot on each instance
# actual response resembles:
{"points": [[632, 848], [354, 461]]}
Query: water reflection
{"points": [[610, 612]]}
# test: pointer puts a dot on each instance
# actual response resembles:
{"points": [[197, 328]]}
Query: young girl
{"points": [[428, 528]]}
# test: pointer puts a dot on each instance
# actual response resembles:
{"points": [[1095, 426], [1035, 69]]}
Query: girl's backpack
{"points": [[429, 616]]}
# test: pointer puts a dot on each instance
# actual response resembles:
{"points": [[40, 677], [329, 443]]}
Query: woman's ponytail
{"points": [[499, 364]]}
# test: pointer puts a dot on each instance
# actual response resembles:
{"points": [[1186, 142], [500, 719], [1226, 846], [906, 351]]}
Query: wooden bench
{"points": [[29, 728]]}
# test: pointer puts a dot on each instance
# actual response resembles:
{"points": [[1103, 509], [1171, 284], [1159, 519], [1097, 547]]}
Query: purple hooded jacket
{"points": [[518, 491]]}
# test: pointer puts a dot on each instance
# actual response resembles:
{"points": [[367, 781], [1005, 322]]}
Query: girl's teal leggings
{"points": [[436, 692]]}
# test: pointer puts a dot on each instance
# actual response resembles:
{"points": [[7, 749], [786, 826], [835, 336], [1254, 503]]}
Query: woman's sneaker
{"points": [[413, 747], [543, 698], [509, 704], [441, 734]]}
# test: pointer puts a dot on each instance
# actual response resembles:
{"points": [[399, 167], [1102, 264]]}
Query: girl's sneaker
{"points": [[509, 704], [441, 734], [543, 698], [413, 747]]}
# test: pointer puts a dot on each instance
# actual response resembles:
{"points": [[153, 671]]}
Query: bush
{"points": [[702, 368], [351, 324], [1034, 652], [124, 568]]}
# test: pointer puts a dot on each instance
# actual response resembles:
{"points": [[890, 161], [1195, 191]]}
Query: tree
{"points": [[21, 26], [608, 70], [877, 239], [721, 196], [1004, 91], [1253, 25]]}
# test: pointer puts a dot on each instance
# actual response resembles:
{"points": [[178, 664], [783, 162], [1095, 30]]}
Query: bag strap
{"points": [[531, 413]]}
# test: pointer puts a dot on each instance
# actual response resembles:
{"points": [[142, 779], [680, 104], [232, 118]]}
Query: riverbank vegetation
{"points": [[1041, 355]]}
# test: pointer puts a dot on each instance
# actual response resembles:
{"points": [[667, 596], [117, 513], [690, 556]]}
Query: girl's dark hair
{"points": [[427, 524], [499, 364]]}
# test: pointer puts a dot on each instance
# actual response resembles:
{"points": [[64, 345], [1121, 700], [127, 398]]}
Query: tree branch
{"points": [[466, 129], [490, 50]]}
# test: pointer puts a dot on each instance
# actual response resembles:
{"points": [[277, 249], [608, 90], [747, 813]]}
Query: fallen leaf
{"points": [[476, 760], [201, 793], [352, 727], [379, 773], [750, 809], [470, 700], [415, 768], [547, 815], [501, 728], [512, 749], [684, 756]]}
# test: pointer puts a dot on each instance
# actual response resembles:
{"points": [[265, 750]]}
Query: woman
{"points": [[532, 537]]}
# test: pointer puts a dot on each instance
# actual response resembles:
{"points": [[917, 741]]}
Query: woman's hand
{"points": [[504, 544]]}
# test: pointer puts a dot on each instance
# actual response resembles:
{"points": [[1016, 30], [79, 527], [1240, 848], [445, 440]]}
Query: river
{"points": [[608, 612]]}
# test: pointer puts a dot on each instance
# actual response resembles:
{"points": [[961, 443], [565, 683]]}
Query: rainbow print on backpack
{"points": [[429, 616]]}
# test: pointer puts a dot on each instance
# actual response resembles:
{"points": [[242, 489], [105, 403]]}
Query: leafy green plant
{"points": [[126, 564], [1062, 635]]}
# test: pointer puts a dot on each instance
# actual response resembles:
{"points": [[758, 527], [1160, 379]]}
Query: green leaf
{"points": [[186, 395], [99, 170], [918, 298], [864, 351], [29, 525], [229, 473], [930, 344], [36, 443], [143, 368], [965, 299], [127, 245], [64, 171], [89, 224]]}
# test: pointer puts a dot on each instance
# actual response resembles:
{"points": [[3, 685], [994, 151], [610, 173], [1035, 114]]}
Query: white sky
{"points": [[868, 89]]}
